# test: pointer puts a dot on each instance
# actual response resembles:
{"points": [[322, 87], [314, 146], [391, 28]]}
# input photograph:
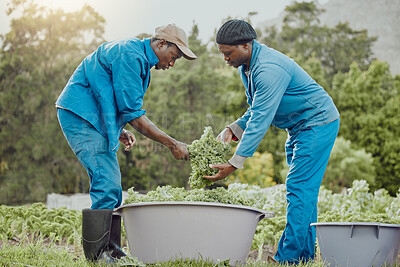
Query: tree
{"points": [[369, 104], [346, 165], [336, 47], [37, 57]]}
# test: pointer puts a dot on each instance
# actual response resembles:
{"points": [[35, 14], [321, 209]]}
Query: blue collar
{"points": [[151, 56], [254, 53]]}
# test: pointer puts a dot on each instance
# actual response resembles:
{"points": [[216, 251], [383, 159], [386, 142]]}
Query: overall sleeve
{"points": [[270, 83], [127, 72], [240, 124]]}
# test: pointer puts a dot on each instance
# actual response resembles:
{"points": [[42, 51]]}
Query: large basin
{"points": [[162, 231]]}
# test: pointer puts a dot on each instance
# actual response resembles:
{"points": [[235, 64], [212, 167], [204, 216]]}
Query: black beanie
{"points": [[234, 32]]}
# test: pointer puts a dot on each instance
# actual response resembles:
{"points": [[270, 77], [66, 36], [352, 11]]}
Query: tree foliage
{"points": [[257, 170], [37, 57], [347, 164], [335, 47], [369, 105]]}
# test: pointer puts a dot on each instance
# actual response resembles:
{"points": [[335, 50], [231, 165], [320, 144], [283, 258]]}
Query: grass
{"points": [[38, 254], [44, 254]]}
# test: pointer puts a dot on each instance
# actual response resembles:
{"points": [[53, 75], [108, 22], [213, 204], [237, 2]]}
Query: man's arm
{"points": [[148, 129]]}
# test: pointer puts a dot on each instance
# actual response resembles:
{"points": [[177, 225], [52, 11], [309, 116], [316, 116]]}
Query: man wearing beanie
{"points": [[281, 93], [103, 95]]}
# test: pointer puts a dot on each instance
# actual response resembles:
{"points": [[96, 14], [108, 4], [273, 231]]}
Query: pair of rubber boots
{"points": [[101, 235]]}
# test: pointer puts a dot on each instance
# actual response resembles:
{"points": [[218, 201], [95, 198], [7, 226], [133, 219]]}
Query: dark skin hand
{"points": [[226, 135], [225, 169], [147, 128], [128, 139]]}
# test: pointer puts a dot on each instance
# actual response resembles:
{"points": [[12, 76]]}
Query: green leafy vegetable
{"points": [[332, 216], [207, 150], [169, 193]]}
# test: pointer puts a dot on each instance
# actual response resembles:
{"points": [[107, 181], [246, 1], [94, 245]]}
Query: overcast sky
{"points": [[128, 18]]}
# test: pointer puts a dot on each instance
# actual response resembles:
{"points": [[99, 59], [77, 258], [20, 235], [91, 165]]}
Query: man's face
{"points": [[235, 55], [167, 55]]}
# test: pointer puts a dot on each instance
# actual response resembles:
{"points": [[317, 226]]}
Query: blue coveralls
{"points": [[281, 93], [104, 93]]}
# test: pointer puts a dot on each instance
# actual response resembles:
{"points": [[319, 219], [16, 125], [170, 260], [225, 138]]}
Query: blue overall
{"points": [[104, 93], [280, 93]]}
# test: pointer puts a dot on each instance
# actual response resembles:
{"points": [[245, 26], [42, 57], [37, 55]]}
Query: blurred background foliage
{"points": [[257, 170], [44, 46]]}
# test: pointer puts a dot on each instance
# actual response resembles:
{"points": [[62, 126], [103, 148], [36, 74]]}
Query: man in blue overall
{"points": [[281, 93], [103, 95]]}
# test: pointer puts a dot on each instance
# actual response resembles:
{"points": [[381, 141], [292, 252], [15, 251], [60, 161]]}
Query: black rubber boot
{"points": [[115, 238], [101, 235]]}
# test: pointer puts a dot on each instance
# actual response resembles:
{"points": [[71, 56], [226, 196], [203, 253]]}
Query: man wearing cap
{"points": [[281, 93], [103, 95]]}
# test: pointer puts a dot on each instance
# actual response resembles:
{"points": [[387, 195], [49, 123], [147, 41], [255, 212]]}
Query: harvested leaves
{"points": [[203, 152]]}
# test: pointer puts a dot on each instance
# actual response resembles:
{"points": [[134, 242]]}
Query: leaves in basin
{"points": [[203, 152], [169, 193]]}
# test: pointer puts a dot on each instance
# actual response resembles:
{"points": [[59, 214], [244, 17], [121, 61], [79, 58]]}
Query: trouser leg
{"points": [[101, 164], [308, 153]]}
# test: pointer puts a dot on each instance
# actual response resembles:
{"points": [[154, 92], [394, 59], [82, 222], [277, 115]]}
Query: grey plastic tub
{"points": [[359, 244], [162, 231]]}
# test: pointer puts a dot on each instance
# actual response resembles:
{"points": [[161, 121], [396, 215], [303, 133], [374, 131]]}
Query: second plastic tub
{"points": [[360, 244]]}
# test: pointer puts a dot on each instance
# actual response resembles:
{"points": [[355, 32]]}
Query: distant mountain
{"points": [[381, 18]]}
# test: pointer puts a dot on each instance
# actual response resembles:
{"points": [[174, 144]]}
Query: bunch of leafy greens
{"points": [[169, 193], [334, 216], [207, 150]]}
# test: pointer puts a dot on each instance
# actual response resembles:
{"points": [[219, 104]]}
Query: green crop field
{"points": [[34, 235]]}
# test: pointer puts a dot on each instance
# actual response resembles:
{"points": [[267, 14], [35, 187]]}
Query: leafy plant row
{"points": [[37, 220], [354, 204]]}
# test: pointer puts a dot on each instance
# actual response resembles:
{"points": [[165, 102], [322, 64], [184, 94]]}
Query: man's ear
{"points": [[161, 43], [245, 46]]}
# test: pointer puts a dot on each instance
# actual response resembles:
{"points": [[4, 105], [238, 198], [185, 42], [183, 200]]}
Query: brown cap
{"points": [[176, 35]]}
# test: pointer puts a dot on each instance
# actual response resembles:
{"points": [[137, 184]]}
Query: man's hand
{"points": [[226, 136], [180, 151], [128, 139], [224, 170]]}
